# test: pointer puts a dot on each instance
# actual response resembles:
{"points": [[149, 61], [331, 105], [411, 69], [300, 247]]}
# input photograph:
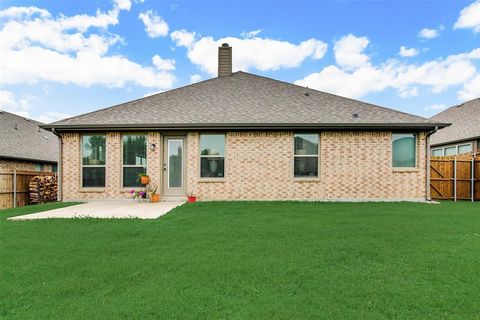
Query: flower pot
{"points": [[144, 179], [155, 198], [192, 199]]}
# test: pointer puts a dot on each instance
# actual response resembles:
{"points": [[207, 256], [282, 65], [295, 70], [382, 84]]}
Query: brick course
{"points": [[259, 166]]}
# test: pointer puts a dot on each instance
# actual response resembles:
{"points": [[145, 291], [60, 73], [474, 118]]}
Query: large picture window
{"points": [[404, 146], [212, 155], [134, 158], [305, 155], [93, 161]]}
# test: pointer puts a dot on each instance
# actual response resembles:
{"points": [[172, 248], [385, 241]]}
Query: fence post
{"points": [[455, 179], [472, 187], [15, 188]]}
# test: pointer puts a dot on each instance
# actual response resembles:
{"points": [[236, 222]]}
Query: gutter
{"points": [[246, 126], [427, 163], [28, 159], [59, 166]]}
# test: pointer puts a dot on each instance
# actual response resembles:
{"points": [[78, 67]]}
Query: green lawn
{"points": [[247, 260]]}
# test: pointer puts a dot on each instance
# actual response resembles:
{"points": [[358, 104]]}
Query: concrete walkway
{"points": [[106, 209]]}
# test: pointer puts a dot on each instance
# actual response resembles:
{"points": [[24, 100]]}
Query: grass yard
{"points": [[247, 260]]}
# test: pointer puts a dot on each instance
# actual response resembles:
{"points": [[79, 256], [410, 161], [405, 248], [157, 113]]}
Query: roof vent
{"points": [[355, 115], [16, 126], [224, 60], [307, 94]]}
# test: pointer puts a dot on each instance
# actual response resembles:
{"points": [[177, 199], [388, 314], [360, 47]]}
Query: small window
{"points": [[93, 161], [38, 167], [465, 148], [451, 151], [404, 147], [54, 168], [437, 152], [212, 155], [305, 163], [134, 159]]}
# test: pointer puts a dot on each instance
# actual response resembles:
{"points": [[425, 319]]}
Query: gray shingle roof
{"points": [[22, 138], [465, 119], [244, 100]]}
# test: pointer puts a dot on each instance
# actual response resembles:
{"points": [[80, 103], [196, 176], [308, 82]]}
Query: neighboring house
{"points": [[463, 136], [243, 136], [26, 146]]}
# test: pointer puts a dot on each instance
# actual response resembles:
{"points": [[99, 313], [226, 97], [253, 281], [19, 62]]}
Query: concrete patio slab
{"points": [[106, 209]]}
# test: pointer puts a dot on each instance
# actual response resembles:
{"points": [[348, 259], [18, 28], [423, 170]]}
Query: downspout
{"points": [[59, 166], [427, 144]]}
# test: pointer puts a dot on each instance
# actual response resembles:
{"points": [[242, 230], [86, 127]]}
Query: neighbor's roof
{"points": [[22, 138], [243, 100], [465, 119]]}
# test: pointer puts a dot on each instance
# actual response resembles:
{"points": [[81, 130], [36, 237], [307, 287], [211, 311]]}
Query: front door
{"points": [[174, 166]]}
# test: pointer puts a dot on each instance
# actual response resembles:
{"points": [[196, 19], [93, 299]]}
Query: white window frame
{"points": [[416, 152], [131, 165], [92, 165], [306, 156], [436, 149], [456, 146], [212, 156]]}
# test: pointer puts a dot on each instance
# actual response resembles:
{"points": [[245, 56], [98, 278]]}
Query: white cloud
{"points": [[436, 75], [428, 33], [349, 52], [471, 89], [408, 52], [195, 78], [155, 26], [408, 92], [436, 107], [19, 105], [18, 12], [259, 53], [163, 64], [69, 49], [251, 34], [183, 38], [49, 117], [469, 17], [355, 84], [123, 4]]}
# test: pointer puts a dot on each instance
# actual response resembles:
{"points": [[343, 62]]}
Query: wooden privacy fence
{"points": [[14, 187], [455, 178]]}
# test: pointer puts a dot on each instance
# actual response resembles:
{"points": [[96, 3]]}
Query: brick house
{"points": [[463, 136], [241, 136], [26, 146]]}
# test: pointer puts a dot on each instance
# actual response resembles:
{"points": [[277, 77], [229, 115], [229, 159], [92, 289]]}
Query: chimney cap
{"points": [[225, 45]]}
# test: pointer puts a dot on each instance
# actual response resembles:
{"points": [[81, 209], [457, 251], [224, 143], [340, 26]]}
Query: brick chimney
{"points": [[224, 60]]}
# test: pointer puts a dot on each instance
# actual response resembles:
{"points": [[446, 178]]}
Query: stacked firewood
{"points": [[43, 189]]}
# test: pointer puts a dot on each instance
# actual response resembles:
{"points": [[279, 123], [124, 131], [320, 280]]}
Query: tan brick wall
{"points": [[259, 165], [71, 164], [353, 165]]}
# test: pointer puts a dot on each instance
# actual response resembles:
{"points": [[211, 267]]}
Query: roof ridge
{"points": [[332, 94]]}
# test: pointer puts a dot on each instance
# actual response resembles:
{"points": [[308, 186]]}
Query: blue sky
{"points": [[63, 58]]}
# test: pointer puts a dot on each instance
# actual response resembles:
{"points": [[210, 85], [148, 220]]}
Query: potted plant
{"points": [[191, 197], [141, 195], [143, 178], [154, 196]]}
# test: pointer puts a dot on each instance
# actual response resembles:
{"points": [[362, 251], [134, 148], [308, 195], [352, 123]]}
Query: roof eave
{"points": [[27, 159], [246, 126], [436, 144]]}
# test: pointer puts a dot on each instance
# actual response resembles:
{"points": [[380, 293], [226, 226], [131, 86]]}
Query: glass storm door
{"points": [[173, 166]]}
